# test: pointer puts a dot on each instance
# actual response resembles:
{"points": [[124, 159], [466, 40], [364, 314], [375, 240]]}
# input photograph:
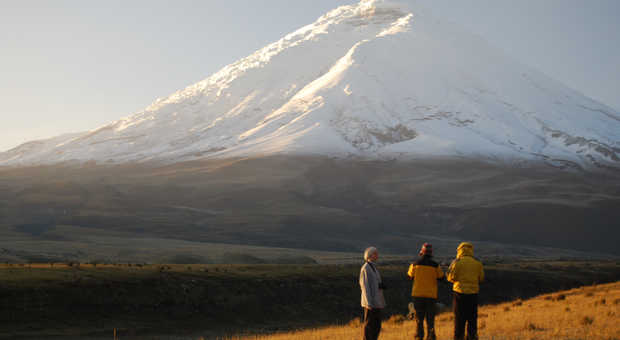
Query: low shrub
{"points": [[355, 323], [396, 319], [559, 297], [532, 327], [586, 320]]}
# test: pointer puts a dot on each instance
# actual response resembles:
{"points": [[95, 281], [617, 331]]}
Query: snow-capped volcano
{"points": [[377, 79]]}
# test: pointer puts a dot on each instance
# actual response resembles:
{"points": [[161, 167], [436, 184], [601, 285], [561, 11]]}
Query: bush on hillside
{"points": [[241, 258], [187, 259], [293, 260]]}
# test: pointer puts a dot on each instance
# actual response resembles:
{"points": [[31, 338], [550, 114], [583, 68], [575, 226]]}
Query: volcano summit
{"points": [[378, 80]]}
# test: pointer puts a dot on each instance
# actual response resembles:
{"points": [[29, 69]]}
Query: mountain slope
{"points": [[317, 203], [380, 79]]}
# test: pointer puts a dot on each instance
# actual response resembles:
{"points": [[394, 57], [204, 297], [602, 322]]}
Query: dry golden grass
{"points": [[591, 312]]}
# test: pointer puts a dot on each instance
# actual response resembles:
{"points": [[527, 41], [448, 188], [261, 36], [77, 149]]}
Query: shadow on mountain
{"points": [[320, 203]]}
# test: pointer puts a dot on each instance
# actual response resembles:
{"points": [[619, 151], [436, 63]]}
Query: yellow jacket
{"points": [[465, 271], [424, 274]]}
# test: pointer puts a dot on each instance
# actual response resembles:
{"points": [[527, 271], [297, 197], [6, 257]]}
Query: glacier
{"points": [[381, 79]]}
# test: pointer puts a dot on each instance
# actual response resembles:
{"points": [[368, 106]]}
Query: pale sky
{"points": [[73, 65]]}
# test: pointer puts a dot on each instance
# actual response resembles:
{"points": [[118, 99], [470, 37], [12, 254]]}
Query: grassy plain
{"points": [[65, 243], [590, 312], [187, 301]]}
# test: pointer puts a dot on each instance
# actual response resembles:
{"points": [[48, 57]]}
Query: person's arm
{"points": [[439, 272], [451, 277], [411, 271], [366, 288]]}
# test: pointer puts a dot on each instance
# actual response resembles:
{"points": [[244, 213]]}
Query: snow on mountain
{"points": [[377, 79]]}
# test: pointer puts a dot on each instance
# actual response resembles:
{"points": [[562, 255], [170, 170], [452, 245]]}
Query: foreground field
{"points": [[187, 302], [590, 312]]}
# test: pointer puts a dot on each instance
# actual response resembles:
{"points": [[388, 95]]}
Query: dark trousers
{"points": [[372, 324], [425, 309], [465, 312]]}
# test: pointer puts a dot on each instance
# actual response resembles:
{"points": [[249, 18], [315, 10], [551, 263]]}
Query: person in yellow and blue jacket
{"points": [[425, 272], [466, 273]]}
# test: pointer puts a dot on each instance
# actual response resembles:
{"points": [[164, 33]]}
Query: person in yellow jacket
{"points": [[425, 272], [465, 273]]}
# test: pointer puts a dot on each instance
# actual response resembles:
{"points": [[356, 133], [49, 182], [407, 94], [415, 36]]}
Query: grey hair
{"points": [[369, 252]]}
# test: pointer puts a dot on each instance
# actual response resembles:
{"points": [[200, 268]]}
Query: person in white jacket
{"points": [[372, 295]]}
